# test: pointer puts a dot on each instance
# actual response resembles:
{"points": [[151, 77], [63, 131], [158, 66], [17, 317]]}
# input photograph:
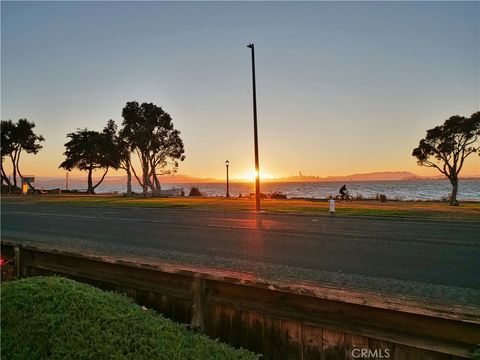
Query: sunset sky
{"points": [[342, 87]]}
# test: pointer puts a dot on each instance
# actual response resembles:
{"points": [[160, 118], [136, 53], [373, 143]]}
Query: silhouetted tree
{"points": [[124, 152], [15, 138], [150, 134], [447, 146], [91, 150]]}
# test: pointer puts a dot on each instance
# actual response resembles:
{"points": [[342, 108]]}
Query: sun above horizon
{"points": [[252, 175]]}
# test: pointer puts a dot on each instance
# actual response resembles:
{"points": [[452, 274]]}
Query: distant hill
{"points": [[80, 181], [379, 176], [168, 179]]}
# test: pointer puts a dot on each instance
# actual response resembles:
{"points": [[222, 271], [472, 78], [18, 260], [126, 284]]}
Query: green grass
{"points": [[56, 318], [410, 209]]}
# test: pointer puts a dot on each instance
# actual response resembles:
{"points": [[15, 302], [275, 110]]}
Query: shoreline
{"points": [[356, 197], [435, 190]]}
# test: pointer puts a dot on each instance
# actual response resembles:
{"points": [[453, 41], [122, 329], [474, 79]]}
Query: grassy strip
{"points": [[414, 209], [56, 318]]}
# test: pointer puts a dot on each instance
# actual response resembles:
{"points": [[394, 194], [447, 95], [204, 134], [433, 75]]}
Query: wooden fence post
{"points": [[198, 304], [17, 260]]}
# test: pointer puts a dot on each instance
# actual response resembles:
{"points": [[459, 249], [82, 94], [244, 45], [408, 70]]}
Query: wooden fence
{"points": [[281, 321]]}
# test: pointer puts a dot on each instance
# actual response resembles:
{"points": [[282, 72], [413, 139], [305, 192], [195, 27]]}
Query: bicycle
{"points": [[346, 197]]}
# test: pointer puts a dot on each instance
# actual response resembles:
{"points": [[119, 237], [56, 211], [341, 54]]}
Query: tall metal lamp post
{"points": [[257, 167], [228, 190]]}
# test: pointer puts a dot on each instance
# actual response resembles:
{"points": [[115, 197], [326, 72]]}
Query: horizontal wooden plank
{"points": [[144, 279], [345, 316]]}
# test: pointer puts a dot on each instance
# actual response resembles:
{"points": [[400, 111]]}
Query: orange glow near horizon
{"points": [[252, 175], [45, 164]]}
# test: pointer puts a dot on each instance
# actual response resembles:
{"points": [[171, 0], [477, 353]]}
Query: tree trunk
{"points": [[129, 180], [100, 181], [5, 177], [136, 176], [14, 177], [158, 187], [90, 189], [5, 180], [14, 170], [453, 195], [17, 168], [146, 180], [152, 183]]}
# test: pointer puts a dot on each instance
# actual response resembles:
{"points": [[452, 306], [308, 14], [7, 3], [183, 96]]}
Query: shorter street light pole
{"points": [[66, 182], [228, 190]]}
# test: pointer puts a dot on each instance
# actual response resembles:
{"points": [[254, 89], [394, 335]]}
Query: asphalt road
{"points": [[439, 260]]}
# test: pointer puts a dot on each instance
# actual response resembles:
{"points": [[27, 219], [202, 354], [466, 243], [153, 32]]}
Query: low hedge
{"points": [[57, 318]]}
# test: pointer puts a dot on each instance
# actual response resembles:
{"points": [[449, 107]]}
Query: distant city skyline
{"points": [[343, 87]]}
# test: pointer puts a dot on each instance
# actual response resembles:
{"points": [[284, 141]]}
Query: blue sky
{"points": [[343, 87]]}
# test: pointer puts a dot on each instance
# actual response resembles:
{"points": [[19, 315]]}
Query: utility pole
{"points": [[228, 188], [257, 166]]}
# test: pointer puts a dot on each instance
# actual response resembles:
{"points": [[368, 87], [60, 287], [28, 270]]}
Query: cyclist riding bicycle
{"points": [[343, 191]]}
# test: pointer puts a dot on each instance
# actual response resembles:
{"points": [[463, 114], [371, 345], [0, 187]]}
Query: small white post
{"points": [[331, 209]]}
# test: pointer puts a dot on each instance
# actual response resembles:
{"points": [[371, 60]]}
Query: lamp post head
{"points": [[250, 46], [227, 163]]}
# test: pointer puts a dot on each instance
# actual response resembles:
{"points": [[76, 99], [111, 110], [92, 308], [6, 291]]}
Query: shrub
{"points": [[13, 190], [56, 318], [277, 195], [195, 192], [476, 353]]}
